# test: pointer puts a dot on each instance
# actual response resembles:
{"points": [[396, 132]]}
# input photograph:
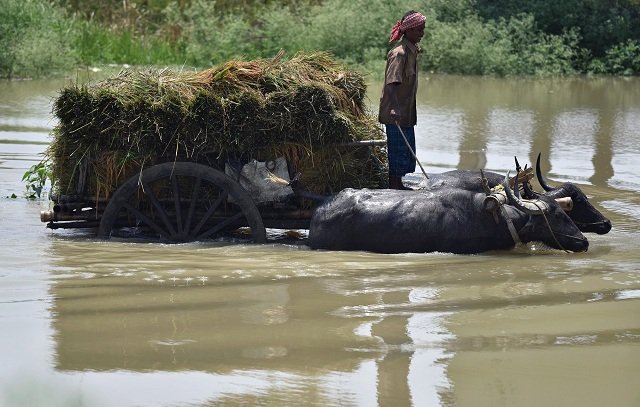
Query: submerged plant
{"points": [[35, 178]]}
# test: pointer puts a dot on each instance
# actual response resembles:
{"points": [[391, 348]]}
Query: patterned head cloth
{"points": [[411, 21]]}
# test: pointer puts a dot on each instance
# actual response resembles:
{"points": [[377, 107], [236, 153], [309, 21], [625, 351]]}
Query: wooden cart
{"points": [[180, 201]]}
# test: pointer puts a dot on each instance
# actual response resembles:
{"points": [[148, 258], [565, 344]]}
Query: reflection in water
{"points": [[574, 144], [359, 328], [518, 125], [603, 158], [180, 314], [237, 321]]}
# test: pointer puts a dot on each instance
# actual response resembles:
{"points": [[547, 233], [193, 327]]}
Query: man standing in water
{"points": [[398, 101]]}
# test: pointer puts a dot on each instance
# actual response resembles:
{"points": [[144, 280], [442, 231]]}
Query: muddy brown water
{"points": [[97, 323]]}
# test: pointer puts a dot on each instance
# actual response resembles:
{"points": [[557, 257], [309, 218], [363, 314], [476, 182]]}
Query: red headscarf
{"points": [[411, 21]]}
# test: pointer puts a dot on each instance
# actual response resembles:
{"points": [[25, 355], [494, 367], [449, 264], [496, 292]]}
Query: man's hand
{"points": [[395, 115]]}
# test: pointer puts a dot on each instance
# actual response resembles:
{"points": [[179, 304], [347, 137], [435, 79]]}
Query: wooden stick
{"points": [[411, 150]]}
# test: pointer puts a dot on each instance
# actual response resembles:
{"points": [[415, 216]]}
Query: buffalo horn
{"points": [[541, 179], [529, 207]]}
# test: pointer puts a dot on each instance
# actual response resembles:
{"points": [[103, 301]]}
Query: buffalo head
{"points": [[583, 214], [547, 222]]}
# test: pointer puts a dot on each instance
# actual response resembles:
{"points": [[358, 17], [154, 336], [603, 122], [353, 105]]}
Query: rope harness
{"points": [[499, 189], [510, 225]]}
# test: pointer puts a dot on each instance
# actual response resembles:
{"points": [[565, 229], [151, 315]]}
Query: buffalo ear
{"points": [[485, 183], [529, 193]]}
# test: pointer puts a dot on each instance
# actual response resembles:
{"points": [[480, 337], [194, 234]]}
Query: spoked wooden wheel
{"points": [[180, 202]]}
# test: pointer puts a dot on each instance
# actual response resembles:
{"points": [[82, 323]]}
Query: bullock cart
{"points": [[185, 156], [182, 201]]}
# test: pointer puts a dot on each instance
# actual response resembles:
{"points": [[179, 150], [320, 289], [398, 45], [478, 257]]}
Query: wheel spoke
{"points": [[176, 201], [152, 211], [192, 205], [148, 221], [220, 226], [159, 208], [210, 212]]}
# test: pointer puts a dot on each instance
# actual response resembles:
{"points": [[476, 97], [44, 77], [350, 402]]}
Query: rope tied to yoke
{"points": [[499, 189]]}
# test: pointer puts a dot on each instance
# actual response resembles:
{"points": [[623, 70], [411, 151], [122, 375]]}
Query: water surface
{"points": [[97, 323]]}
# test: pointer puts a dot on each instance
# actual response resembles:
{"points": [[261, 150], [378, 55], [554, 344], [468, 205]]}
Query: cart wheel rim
{"points": [[181, 202]]}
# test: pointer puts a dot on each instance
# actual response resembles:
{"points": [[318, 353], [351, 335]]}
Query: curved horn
{"points": [[541, 179], [526, 207], [518, 168]]}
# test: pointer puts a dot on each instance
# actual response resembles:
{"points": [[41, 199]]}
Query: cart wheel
{"points": [[180, 202]]}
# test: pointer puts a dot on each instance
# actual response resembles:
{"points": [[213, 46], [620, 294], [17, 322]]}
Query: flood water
{"points": [[95, 323]]}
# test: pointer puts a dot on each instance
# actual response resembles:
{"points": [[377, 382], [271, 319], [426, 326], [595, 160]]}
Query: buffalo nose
{"points": [[605, 228], [584, 245]]}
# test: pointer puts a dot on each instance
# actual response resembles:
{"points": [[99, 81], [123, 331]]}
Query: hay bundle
{"points": [[302, 108]]}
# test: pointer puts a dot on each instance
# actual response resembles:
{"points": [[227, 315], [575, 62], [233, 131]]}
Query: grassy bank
{"points": [[465, 36]]}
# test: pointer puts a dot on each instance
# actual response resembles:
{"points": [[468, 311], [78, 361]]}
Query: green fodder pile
{"points": [[303, 108]]}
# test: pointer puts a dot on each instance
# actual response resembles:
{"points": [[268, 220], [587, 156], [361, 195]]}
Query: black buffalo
{"points": [[583, 213], [445, 220]]}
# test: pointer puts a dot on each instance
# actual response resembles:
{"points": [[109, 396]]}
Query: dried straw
{"points": [[300, 108]]}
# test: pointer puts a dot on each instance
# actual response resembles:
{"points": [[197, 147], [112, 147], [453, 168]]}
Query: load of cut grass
{"points": [[305, 108]]}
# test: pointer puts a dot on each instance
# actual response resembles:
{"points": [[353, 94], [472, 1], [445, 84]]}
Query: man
{"points": [[398, 101]]}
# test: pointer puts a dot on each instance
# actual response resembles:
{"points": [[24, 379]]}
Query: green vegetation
{"points": [[492, 37], [35, 178], [34, 39]]}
